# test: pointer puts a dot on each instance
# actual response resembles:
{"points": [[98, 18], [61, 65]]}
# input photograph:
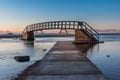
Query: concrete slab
{"points": [[65, 62], [64, 46], [65, 68], [64, 58], [69, 52]]}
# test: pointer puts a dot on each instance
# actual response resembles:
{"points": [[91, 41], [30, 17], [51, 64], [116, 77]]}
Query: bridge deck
{"points": [[65, 62]]}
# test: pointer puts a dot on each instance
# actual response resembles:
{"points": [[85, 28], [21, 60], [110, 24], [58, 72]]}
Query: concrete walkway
{"points": [[65, 62]]}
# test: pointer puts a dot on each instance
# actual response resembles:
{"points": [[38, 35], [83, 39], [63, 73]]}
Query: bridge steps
{"points": [[92, 38], [84, 36]]}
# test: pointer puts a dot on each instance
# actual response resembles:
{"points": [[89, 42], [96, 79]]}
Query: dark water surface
{"points": [[106, 56]]}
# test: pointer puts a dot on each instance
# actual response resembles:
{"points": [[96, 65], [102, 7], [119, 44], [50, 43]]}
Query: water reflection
{"points": [[11, 49], [29, 43], [85, 47], [99, 53]]}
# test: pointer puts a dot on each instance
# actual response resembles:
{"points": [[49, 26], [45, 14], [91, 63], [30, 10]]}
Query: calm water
{"points": [[106, 56]]}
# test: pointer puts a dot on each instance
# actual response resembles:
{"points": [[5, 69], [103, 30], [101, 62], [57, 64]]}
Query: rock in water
{"points": [[108, 55], [22, 58], [44, 49]]}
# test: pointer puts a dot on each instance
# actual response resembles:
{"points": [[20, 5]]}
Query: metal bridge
{"points": [[62, 25]]}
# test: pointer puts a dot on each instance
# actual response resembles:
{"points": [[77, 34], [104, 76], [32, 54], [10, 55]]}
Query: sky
{"points": [[15, 15]]}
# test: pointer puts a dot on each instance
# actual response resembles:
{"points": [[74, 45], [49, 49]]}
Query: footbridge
{"points": [[83, 31]]}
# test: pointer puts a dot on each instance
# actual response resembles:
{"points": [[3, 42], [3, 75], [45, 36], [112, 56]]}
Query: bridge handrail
{"points": [[53, 24], [91, 30]]}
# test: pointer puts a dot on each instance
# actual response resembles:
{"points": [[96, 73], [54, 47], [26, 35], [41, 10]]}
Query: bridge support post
{"points": [[81, 36], [29, 36]]}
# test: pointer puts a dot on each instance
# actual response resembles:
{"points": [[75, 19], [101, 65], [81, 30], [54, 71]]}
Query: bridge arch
{"points": [[83, 31]]}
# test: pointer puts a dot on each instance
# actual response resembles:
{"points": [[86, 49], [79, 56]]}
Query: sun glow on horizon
{"points": [[100, 14]]}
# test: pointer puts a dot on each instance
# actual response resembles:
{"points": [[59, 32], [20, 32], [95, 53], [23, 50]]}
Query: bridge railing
{"points": [[52, 25], [61, 25], [91, 30]]}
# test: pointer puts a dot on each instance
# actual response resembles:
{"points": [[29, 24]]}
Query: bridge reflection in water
{"points": [[88, 49], [84, 47]]}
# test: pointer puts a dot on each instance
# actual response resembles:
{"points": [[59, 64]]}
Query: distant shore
{"points": [[49, 35], [40, 35], [109, 33]]}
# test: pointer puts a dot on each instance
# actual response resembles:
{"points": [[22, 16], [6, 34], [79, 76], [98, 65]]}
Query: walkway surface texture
{"points": [[65, 62]]}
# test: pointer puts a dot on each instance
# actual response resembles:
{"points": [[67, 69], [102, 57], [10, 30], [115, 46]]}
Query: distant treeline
{"points": [[109, 33], [9, 36], [49, 35]]}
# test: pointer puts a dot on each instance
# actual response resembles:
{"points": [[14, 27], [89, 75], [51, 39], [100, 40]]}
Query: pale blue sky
{"points": [[101, 14]]}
